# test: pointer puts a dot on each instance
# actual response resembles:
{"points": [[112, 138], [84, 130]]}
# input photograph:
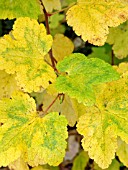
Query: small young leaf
{"points": [[82, 74], [118, 37], [21, 8], [107, 119], [24, 134], [91, 19], [22, 52], [62, 46], [52, 4]]}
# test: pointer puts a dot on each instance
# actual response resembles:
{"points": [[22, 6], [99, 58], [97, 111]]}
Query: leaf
{"points": [[101, 53], [55, 19], [114, 165], [7, 85], [65, 108], [122, 152], [23, 54], [62, 46], [19, 164], [14, 9], [105, 53], [118, 38], [45, 167], [91, 19], [50, 5], [25, 134], [82, 74], [107, 119], [80, 162]]}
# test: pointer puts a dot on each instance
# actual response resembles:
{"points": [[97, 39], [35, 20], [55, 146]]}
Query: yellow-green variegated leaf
{"points": [[22, 52], [81, 76], [107, 119], [122, 152], [21, 8], [92, 18], [8, 84], [50, 5], [118, 37], [37, 140]]}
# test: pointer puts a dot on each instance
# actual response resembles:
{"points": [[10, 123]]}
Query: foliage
{"points": [[45, 87]]}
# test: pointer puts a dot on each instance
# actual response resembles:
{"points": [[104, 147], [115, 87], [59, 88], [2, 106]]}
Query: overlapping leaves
{"points": [[24, 134], [81, 75], [107, 119], [91, 19], [22, 53], [118, 37]]}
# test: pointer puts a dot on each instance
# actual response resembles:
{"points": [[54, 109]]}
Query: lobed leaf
{"points": [[91, 19], [24, 134], [21, 8], [107, 119], [22, 52], [82, 75]]}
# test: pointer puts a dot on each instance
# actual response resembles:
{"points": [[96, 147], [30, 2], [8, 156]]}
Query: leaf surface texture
{"points": [[25, 134], [91, 18]]}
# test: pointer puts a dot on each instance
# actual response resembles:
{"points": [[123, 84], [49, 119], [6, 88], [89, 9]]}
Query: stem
{"points": [[53, 60], [45, 112], [112, 63]]}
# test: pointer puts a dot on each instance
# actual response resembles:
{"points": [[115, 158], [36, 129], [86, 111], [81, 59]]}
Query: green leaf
{"points": [[92, 18], [22, 52], [21, 8], [25, 134], [80, 162], [118, 37], [107, 119], [82, 74]]}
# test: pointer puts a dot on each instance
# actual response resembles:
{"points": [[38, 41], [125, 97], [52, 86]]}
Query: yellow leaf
{"points": [[62, 46], [107, 119], [45, 167], [22, 52], [122, 152], [7, 84], [19, 164], [50, 5], [91, 19], [38, 140]]}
